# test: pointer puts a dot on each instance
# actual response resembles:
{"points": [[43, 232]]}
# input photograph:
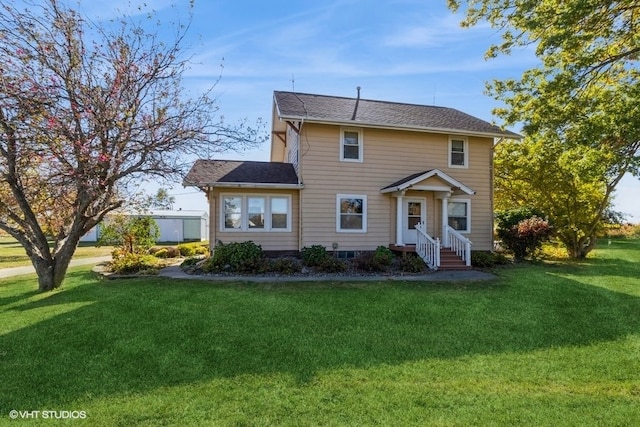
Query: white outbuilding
{"points": [[175, 226]]}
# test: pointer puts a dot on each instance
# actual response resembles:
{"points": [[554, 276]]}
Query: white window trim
{"points": [[244, 228], [360, 144], [468, 202], [364, 212], [465, 141]]}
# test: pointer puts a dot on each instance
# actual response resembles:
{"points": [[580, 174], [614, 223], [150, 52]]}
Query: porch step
{"points": [[450, 261]]}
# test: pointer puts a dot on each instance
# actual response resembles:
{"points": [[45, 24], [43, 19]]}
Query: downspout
{"points": [[491, 190], [300, 157], [212, 219]]}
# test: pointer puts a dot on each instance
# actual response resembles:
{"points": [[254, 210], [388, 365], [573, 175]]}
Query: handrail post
{"points": [[468, 253], [459, 244]]}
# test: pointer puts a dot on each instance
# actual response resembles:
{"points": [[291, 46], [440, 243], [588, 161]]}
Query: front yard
{"points": [[12, 254], [545, 344]]}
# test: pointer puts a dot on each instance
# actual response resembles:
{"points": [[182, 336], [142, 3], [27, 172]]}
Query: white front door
{"points": [[414, 211]]}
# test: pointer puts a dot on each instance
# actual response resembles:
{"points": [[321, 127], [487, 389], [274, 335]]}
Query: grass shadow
{"points": [[143, 334]]}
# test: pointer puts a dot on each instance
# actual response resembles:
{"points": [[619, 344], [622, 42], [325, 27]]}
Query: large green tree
{"points": [[86, 108], [579, 42], [585, 93], [587, 79], [570, 186]]}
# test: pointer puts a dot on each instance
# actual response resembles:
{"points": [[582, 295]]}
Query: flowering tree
{"points": [[87, 109]]}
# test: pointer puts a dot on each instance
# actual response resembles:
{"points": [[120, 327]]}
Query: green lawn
{"points": [[12, 254], [545, 344]]}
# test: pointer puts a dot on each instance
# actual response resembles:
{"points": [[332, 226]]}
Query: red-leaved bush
{"points": [[527, 236]]}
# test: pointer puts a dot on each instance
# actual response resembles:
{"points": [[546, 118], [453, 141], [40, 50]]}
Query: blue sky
{"points": [[397, 50]]}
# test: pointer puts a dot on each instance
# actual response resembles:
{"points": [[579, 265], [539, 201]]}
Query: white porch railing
{"points": [[427, 247], [459, 244]]}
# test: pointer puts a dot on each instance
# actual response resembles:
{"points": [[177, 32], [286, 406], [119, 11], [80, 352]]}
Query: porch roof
{"points": [[249, 174], [410, 181]]}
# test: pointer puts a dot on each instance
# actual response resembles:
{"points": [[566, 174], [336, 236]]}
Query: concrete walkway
{"points": [[175, 272], [28, 269]]}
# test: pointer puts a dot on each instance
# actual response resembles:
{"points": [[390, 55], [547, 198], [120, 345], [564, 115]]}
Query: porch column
{"points": [[399, 217], [445, 221]]}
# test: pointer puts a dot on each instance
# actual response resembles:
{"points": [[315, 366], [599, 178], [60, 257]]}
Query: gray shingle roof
{"points": [[205, 173], [335, 109]]}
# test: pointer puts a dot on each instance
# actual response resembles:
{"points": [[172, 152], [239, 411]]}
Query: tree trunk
{"points": [[588, 247], [579, 247], [51, 272]]}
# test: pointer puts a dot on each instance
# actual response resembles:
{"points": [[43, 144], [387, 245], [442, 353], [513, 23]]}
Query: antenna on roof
{"points": [[355, 109], [293, 83]]}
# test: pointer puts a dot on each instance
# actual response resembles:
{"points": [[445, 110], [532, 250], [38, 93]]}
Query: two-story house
{"points": [[352, 174]]}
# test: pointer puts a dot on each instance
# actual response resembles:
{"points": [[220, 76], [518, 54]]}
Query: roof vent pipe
{"points": [[355, 109]]}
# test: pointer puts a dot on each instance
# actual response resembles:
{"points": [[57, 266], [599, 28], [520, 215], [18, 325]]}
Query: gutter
{"points": [[247, 185], [446, 131]]}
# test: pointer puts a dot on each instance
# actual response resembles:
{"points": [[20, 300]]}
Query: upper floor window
{"points": [[255, 213], [351, 213], [350, 145], [458, 152]]}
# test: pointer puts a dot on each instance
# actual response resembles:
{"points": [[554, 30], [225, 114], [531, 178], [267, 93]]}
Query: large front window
{"points": [[351, 213], [256, 213], [459, 215]]}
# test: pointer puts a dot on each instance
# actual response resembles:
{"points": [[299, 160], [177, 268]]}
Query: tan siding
{"points": [[388, 156], [293, 144], [277, 150], [269, 240]]}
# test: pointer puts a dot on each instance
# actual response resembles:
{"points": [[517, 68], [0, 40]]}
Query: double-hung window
{"points": [[459, 213], [458, 152], [255, 213], [351, 145], [351, 213]]}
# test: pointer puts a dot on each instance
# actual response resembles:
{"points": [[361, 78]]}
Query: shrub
{"points": [[332, 265], [483, 259], [285, 266], [412, 263], [186, 250], [164, 252], [380, 260], [155, 249], [202, 250], [240, 257], [131, 234], [554, 250], [134, 263], [161, 253], [117, 253], [193, 248], [522, 231], [383, 256], [188, 262], [627, 231], [172, 252], [314, 256]]}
